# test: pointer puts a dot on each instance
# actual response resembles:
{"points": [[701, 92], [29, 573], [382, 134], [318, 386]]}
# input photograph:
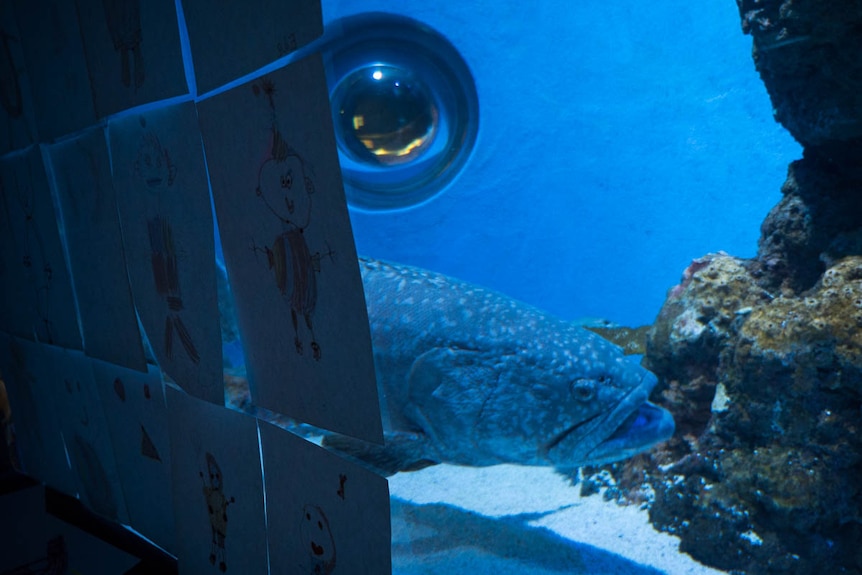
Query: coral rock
{"points": [[807, 54]]}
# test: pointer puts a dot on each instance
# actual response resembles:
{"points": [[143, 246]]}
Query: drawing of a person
{"points": [[286, 189], [124, 24], [10, 85], [20, 202], [153, 165], [217, 505]]}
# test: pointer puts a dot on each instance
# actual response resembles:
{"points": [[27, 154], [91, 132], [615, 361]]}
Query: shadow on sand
{"points": [[439, 538]]}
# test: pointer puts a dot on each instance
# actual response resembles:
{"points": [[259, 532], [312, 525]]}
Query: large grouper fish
{"points": [[468, 376]]}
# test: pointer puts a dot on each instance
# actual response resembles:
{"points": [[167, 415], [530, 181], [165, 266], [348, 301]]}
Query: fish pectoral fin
{"points": [[401, 451], [450, 375]]}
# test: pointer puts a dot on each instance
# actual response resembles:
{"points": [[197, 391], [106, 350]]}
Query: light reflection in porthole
{"points": [[404, 108]]}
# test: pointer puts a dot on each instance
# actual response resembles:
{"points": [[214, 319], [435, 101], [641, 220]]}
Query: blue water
{"points": [[616, 143]]}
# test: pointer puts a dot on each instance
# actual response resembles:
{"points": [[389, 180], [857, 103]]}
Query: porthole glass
{"points": [[404, 108], [386, 116]]}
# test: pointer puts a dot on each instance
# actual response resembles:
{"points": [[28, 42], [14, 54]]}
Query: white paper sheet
{"points": [[37, 288], [324, 514], [54, 55], [86, 194], [133, 52], [217, 487], [163, 196], [68, 378], [17, 118], [134, 405], [37, 429], [289, 249], [232, 39]]}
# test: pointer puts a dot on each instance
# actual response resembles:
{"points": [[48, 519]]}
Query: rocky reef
{"points": [[807, 54], [760, 360]]}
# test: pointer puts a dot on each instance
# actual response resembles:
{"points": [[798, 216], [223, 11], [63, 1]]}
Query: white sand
{"points": [[524, 520]]}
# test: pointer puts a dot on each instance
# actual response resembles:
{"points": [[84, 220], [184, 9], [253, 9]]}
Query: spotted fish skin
{"points": [[469, 376]]}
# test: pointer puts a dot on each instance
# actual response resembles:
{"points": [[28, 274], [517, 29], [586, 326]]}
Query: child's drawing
{"points": [[16, 114], [148, 446], [285, 186], [137, 425], [153, 165], [217, 505], [20, 205], [166, 218], [214, 455], [89, 450], [124, 24], [287, 244], [317, 540], [10, 86], [95, 483], [71, 387], [97, 260]]}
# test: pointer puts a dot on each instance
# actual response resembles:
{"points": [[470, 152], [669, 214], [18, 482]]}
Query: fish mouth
{"points": [[569, 431], [646, 426], [634, 425]]}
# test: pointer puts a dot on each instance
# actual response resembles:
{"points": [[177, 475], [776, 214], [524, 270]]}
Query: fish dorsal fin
{"points": [[401, 451]]}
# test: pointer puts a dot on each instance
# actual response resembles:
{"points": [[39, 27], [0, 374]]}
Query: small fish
{"points": [[468, 376]]}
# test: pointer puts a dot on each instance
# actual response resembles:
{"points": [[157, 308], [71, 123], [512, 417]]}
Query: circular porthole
{"points": [[404, 108]]}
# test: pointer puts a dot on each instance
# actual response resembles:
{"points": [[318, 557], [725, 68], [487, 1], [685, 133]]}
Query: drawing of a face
{"points": [[286, 190], [317, 539], [214, 472], [153, 164]]}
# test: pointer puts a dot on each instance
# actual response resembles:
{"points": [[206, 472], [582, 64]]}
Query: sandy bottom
{"points": [[520, 520]]}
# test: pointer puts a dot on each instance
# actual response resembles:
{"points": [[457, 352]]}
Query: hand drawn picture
{"points": [[286, 187], [164, 206], [56, 66], [123, 18], [17, 124], [153, 165], [217, 488], [137, 418], [92, 228], [288, 249], [40, 441], [39, 303], [34, 259], [133, 52], [217, 504], [79, 408], [239, 38], [317, 539], [324, 514]]}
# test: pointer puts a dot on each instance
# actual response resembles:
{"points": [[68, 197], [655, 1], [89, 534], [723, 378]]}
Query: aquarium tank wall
{"points": [[341, 286]]}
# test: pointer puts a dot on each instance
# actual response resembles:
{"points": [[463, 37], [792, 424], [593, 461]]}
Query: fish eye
{"points": [[583, 389]]}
